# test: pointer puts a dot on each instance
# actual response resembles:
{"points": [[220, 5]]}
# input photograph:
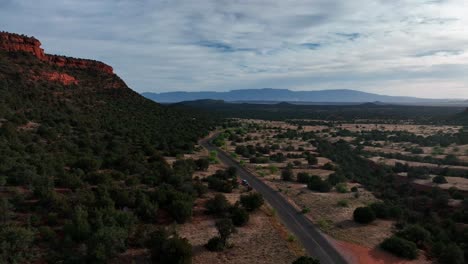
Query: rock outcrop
{"points": [[14, 43], [63, 61], [60, 77], [19, 43]]}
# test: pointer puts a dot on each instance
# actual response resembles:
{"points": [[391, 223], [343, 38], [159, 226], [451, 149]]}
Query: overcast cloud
{"points": [[398, 47]]}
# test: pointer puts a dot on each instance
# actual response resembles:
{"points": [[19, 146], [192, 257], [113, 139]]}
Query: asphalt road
{"points": [[312, 239]]}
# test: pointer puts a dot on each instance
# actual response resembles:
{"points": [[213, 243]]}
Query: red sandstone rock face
{"points": [[60, 77], [14, 43], [63, 61], [63, 78]]}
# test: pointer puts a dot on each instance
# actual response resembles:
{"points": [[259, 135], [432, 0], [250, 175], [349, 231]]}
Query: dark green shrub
{"points": [[287, 174], [439, 179], [317, 184], [400, 247], [215, 244], [239, 216], [303, 177], [380, 209], [416, 234], [252, 201], [306, 260], [363, 215], [165, 249], [202, 164], [225, 229], [312, 160], [217, 205], [341, 188], [336, 178], [181, 210]]}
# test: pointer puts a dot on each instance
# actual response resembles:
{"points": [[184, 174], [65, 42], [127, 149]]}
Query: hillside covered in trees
{"points": [[82, 169]]}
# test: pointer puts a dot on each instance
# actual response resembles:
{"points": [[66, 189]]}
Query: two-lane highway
{"points": [[315, 243]]}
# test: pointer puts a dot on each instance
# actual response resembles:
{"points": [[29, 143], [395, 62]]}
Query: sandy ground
{"points": [[364, 255]]}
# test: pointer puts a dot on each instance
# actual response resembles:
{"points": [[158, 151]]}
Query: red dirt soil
{"points": [[363, 255]]}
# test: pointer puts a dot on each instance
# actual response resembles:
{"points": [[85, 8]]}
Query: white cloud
{"points": [[393, 47]]}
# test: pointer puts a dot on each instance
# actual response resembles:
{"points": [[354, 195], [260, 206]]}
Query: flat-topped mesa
{"points": [[15, 43]]}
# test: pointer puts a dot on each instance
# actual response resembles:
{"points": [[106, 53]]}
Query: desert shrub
{"points": [[303, 177], [328, 166], [297, 162], [217, 205], [225, 228], [223, 181], [202, 164], [169, 249], [455, 193], [317, 184], [181, 210], [312, 160], [439, 179], [336, 178], [341, 188], [343, 203], [272, 169], [363, 215], [239, 216], [259, 160], [416, 234], [380, 210], [215, 244], [306, 260], [400, 247], [287, 174], [252, 201]]}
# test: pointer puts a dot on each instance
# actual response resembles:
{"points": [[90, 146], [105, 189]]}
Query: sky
{"points": [[394, 47]]}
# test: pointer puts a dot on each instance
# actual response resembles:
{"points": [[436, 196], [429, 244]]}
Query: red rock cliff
{"points": [[63, 61], [14, 43]]}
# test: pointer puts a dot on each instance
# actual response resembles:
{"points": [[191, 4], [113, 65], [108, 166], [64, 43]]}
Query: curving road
{"points": [[315, 243]]}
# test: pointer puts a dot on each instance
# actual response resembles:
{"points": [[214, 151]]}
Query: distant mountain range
{"points": [[285, 95]]}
